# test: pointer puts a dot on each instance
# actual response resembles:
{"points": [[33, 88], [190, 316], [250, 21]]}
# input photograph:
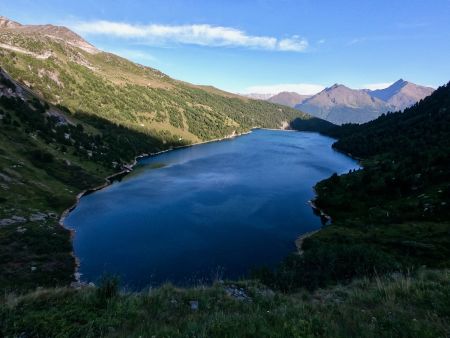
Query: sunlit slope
{"points": [[66, 70]]}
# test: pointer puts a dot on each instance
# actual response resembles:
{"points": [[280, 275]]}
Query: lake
{"points": [[209, 211]]}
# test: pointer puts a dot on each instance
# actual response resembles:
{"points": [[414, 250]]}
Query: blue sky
{"points": [[264, 45]]}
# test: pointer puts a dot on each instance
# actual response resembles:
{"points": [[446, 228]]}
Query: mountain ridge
{"points": [[52, 31], [64, 69], [402, 94], [340, 104]]}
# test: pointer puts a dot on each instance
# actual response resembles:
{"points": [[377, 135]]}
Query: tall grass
{"points": [[397, 305]]}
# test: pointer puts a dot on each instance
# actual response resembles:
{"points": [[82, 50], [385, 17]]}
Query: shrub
{"points": [[108, 288], [326, 264], [41, 156]]}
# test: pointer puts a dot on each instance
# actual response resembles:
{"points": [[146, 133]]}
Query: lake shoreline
{"points": [[127, 168], [301, 238]]}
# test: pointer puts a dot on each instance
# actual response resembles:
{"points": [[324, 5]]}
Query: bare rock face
{"points": [[6, 23], [55, 32]]}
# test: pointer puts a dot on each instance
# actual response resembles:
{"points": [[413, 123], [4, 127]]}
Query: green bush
{"points": [[41, 156], [326, 264], [107, 289]]}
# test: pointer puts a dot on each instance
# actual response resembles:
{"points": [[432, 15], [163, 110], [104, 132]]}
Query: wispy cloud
{"points": [[375, 86], [356, 41], [294, 44], [202, 35], [301, 88]]}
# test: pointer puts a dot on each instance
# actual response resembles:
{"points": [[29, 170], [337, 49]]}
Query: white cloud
{"points": [[294, 44], [203, 35], [301, 88], [374, 86]]}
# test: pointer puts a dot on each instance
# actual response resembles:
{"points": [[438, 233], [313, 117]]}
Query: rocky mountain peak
{"points": [[336, 85], [52, 31], [402, 94], [7, 23]]}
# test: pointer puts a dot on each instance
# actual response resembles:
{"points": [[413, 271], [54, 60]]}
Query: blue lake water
{"points": [[214, 210]]}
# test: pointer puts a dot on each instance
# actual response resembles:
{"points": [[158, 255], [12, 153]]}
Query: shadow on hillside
{"points": [[314, 124]]}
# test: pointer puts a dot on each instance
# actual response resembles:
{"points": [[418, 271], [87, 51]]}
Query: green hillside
{"points": [[137, 97], [72, 115], [46, 159]]}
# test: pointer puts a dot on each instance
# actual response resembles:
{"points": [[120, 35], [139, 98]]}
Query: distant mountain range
{"points": [[340, 104], [290, 99], [402, 94]]}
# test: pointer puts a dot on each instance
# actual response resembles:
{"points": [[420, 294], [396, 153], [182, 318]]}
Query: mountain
{"points": [[340, 104], [71, 115], [402, 94], [6, 23], [290, 99], [54, 32], [64, 69]]}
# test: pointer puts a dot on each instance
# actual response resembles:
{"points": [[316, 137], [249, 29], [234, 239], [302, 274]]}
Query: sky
{"points": [[264, 46]]}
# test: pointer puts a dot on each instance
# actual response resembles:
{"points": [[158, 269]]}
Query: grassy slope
{"points": [[28, 189], [41, 172], [124, 110], [391, 306], [134, 96]]}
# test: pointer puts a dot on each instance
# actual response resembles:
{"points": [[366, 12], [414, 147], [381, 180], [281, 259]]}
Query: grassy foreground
{"points": [[392, 306]]}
